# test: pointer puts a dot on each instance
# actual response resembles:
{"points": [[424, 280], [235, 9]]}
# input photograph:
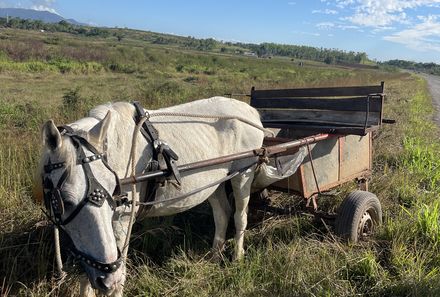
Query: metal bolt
{"points": [[86, 160]]}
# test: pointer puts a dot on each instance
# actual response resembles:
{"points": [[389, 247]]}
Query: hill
{"points": [[263, 50], [30, 14]]}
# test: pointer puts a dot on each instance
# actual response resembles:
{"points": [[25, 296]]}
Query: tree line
{"points": [[431, 68], [62, 26], [329, 56]]}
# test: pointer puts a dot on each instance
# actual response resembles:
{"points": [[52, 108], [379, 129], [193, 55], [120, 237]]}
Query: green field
{"points": [[61, 76]]}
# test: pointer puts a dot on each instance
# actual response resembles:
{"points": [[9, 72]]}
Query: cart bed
{"points": [[338, 110]]}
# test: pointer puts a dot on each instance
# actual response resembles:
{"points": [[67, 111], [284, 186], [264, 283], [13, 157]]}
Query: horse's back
{"points": [[197, 139]]}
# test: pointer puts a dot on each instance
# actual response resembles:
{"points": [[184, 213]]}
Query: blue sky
{"points": [[384, 29]]}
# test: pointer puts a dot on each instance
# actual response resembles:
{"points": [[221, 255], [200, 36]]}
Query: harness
{"points": [[162, 153], [96, 193], [95, 197]]}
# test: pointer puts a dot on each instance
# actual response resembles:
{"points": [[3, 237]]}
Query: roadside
{"points": [[434, 89]]}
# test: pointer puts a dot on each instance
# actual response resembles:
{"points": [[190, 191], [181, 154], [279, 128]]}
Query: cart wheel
{"points": [[359, 215]]}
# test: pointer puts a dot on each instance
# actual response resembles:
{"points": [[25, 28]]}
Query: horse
{"points": [[82, 163]]}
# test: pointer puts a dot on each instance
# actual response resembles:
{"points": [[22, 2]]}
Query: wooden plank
{"points": [[347, 118], [314, 129], [317, 92], [345, 104]]}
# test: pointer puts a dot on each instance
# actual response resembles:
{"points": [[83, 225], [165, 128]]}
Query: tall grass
{"points": [[286, 256]]}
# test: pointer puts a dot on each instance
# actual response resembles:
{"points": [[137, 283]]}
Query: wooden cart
{"points": [[336, 126], [350, 115]]}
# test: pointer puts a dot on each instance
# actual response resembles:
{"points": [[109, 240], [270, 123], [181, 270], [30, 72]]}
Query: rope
{"points": [[134, 198], [58, 260], [132, 158], [313, 168], [217, 182], [220, 117]]}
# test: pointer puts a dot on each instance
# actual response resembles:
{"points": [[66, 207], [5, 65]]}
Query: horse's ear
{"points": [[51, 136], [98, 133]]}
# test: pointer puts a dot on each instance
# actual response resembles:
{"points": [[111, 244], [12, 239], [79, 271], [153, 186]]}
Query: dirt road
{"points": [[434, 88]]}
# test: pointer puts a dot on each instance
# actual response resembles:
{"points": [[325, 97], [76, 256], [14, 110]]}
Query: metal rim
{"points": [[366, 225]]}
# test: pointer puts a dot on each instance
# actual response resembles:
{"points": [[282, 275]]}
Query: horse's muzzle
{"points": [[106, 283]]}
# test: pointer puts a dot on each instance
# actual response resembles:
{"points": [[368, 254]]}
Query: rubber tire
{"points": [[351, 211]]}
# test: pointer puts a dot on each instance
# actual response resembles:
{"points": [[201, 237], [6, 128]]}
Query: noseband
{"points": [[96, 194]]}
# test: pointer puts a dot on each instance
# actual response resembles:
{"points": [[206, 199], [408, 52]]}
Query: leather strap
{"points": [[150, 133]]}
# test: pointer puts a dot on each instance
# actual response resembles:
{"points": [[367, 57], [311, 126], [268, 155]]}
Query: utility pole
{"points": [[7, 18]]}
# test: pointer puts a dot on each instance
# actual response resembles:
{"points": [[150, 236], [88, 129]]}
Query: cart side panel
{"points": [[336, 161], [325, 155], [355, 157]]}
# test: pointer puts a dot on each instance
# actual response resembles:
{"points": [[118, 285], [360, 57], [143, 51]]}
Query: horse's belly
{"points": [[171, 199]]}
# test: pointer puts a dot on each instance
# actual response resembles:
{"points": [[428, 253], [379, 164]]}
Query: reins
{"points": [[210, 116], [135, 199]]}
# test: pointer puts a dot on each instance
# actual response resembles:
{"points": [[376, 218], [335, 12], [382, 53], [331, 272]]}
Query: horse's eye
{"points": [[68, 204], [47, 183]]}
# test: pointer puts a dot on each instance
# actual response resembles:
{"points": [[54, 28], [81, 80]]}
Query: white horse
{"points": [[99, 230]]}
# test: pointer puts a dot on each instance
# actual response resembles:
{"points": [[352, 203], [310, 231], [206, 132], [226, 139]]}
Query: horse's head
{"points": [[78, 188]]}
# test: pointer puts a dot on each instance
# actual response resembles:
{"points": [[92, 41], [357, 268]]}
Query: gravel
{"points": [[434, 89]]}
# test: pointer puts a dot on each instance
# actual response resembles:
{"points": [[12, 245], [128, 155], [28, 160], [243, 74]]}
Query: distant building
{"points": [[250, 54]]}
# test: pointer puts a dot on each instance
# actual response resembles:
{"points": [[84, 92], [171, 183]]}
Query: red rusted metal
{"points": [[261, 152]]}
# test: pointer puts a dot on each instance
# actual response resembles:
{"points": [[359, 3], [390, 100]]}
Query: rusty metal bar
{"points": [[266, 151]]}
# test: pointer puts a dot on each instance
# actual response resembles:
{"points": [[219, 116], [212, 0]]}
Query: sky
{"points": [[384, 29]]}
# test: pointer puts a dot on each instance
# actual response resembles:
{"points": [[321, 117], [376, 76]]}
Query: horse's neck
{"points": [[119, 146]]}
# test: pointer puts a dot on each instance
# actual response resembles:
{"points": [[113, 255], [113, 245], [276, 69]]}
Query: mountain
{"points": [[45, 16]]}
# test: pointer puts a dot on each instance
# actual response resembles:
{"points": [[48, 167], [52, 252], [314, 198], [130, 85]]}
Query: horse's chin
{"points": [[106, 283]]}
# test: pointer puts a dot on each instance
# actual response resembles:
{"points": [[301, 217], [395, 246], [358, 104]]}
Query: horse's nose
{"points": [[104, 285]]}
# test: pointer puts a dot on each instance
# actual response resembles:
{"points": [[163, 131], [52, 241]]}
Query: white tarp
{"points": [[277, 169]]}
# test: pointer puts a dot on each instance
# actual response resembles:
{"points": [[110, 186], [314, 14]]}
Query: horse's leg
{"points": [[85, 288], [221, 211], [241, 187]]}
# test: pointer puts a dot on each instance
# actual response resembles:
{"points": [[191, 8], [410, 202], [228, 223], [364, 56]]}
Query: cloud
{"points": [[44, 5], [307, 33], [325, 25], [291, 3], [325, 11], [424, 36], [380, 13], [338, 25]]}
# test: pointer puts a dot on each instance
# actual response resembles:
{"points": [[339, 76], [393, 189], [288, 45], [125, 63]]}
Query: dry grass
{"points": [[286, 256]]}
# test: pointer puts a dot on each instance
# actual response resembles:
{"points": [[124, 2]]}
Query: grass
{"points": [[286, 256]]}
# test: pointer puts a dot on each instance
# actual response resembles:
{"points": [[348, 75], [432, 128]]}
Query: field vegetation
{"points": [[61, 75], [329, 56]]}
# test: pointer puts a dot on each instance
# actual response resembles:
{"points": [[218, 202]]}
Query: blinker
{"points": [[57, 203]]}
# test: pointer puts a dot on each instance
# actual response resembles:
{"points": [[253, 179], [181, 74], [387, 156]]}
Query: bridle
{"points": [[96, 194]]}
